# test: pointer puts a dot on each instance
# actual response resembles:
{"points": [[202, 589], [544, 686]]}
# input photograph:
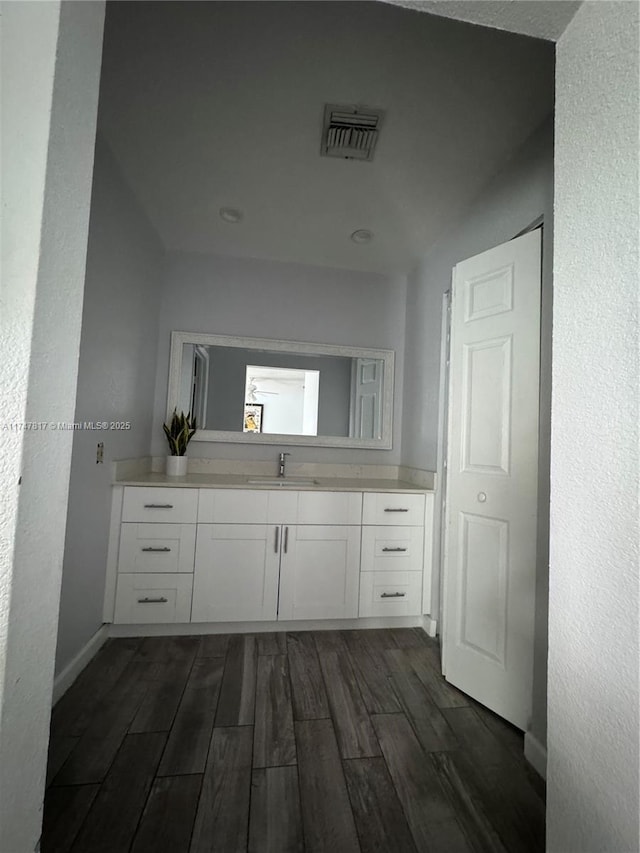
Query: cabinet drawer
{"points": [[156, 547], [153, 504], [390, 593], [393, 508], [392, 549], [146, 598]]}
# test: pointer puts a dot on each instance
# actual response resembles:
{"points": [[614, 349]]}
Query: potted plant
{"points": [[179, 431]]}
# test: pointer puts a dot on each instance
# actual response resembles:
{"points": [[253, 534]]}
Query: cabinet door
{"points": [[236, 573], [320, 572]]}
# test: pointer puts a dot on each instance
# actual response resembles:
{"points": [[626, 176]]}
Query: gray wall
{"points": [[592, 780], [517, 197], [228, 370], [115, 383], [269, 299]]}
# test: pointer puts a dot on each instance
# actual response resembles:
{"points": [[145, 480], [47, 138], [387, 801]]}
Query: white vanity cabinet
{"points": [[155, 555], [393, 554], [204, 555], [255, 561]]}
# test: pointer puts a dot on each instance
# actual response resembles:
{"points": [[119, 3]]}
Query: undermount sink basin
{"points": [[282, 482]]}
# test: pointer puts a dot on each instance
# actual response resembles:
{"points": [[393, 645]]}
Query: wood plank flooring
{"points": [[316, 742]]}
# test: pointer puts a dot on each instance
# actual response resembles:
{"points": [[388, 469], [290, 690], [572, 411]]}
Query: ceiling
{"points": [[214, 104], [538, 18]]}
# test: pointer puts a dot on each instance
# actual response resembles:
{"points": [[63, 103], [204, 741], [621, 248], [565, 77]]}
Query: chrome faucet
{"points": [[282, 458]]}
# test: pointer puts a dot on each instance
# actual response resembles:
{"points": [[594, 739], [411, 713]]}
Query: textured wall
{"points": [[592, 782], [269, 299], [45, 258], [116, 376]]}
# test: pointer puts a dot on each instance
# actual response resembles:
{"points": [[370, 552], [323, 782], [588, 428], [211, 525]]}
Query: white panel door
{"points": [[319, 572], [490, 545], [236, 573], [367, 397]]}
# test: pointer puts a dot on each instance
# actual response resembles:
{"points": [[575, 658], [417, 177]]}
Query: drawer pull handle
{"points": [[161, 600], [158, 506], [394, 549], [396, 509], [393, 595], [157, 550], [286, 540], [275, 546]]}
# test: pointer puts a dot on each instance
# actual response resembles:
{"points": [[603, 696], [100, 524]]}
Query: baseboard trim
{"points": [[430, 626], [536, 754], [198, 628], [63, 681]]}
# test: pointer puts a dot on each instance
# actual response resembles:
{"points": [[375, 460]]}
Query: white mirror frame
{"points": [[385, 442]]}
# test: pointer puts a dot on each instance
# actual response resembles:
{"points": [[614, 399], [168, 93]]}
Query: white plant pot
{"points": [[176, 466]]}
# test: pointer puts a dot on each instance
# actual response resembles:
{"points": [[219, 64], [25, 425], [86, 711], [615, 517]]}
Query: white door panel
{"points": [[490, 544]]}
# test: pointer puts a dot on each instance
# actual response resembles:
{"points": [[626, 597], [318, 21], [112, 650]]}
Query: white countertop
{"points": [[241, 481]]}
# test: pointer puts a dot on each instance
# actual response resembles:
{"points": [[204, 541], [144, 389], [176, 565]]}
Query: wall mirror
{"points": [[260, 391]]}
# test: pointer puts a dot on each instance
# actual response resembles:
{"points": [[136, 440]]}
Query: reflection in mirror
{"points": [[261, 389], [288, 400]]}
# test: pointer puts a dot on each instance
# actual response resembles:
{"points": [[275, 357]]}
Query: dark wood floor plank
{"points": [[213, 645], [72, 714], [468, 804], [371, 674], [166, 649], [356, 738], [440, 764], [222, 817], [409, 638], [509, 736], [113, 818], [188, 742], [326, 812], [167, 820], [329, 641], [160, 703], [379, 817], [307, 687], [60, 748], [272, 643], [370, 639], [64, 812], [96, 749], [516, 809], [428, 722], [275, 824], [236, 705], [443, 694], [475, 738], [429, 813], [274, 741]]}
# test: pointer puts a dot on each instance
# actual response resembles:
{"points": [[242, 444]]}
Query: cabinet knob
{"points": [[482, 497]]}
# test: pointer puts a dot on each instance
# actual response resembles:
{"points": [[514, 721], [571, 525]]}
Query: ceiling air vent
{"points": [[350, 132]]}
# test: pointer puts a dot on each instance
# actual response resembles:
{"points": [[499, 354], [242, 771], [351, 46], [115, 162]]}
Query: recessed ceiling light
{"points": [[362, 235], [231, 214]]}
